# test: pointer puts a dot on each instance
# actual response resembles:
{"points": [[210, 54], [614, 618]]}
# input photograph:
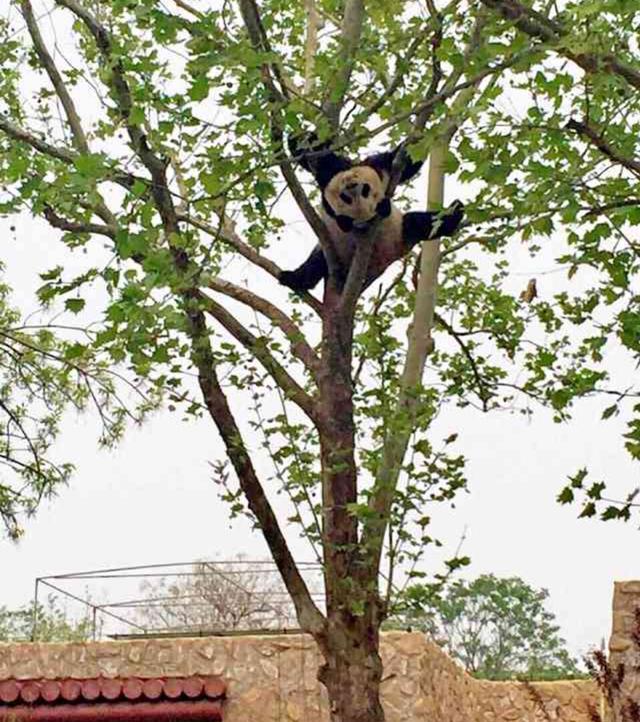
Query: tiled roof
{"points": [[120, 698]]}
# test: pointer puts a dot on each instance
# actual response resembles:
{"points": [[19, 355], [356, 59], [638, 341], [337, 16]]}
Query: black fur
{"points": [[423, 225], [309, 274], [383, 162]]}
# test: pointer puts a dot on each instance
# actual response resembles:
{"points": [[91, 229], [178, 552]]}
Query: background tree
{"points": [[154, 147], [496, 627], [41, 376], [216, 597], [52, 620]]}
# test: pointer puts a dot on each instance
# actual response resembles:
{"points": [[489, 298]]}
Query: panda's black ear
{"points": [[317, 157]]}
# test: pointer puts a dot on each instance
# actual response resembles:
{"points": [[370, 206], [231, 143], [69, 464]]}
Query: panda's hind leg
{"points": [[424, 225], [307, 275]]}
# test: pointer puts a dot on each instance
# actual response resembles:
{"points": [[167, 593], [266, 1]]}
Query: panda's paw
{"points": [[455, 214], [292, 280]]}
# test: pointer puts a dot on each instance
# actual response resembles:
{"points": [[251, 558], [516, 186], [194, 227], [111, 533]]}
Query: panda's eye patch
{"points": [[366, 189], [347, 199]]}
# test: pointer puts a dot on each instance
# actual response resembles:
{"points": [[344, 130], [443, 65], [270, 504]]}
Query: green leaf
{"points": [[75, 305]]}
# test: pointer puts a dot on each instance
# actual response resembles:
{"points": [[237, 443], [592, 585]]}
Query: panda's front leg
{"points": [[426, 225], [307, 275]]}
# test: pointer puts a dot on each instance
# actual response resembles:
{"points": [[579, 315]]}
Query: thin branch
{"points": [[483, 392], [588, 132], [228, 235], [48, 64], [259, 349], [57, 221], [550, 31], [403, 65], [189, 9], [301, 349]]}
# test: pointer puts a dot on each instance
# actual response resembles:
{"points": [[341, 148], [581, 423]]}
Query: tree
{"points": [[41, 376], [216, 597], [496, 627], [156, 148], [51, 621]]}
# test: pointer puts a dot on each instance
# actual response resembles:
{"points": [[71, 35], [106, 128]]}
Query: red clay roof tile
{"points": [[103, 689]]}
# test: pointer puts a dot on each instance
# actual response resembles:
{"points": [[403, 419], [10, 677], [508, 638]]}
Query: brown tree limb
{"points": [[593, 136], [57, 152], [49, 66], [228, 235], [549, 31], [57, 221], [299, 346], [258, 348], [310, 618], [66, 155]]}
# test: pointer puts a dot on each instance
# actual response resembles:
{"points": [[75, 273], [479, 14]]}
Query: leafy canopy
{"points": [[496, 627]]}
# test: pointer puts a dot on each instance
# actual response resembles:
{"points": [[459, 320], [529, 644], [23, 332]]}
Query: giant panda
{"points": [[353, 196]]}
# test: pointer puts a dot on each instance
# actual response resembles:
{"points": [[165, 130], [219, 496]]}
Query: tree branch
{"points": [[228, 235], [77, 132], [588, 132], [538, 26], [350, 32], [314, 24], [258, 348], [259, 40], [483, 392], [24, 136], [122, 96], [66, 155], [310, 618], [63, 224], [301, 349], [420, 345]]}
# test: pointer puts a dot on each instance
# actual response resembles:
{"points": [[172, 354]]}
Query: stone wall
{"points": [[273, 678], [623, 649]]}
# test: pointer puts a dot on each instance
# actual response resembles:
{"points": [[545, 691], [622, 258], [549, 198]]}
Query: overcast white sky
{"points": [[152, 500]]}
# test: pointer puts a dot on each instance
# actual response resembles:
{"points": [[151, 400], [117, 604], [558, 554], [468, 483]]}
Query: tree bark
{"points": [[352, 668], [352, 671]]}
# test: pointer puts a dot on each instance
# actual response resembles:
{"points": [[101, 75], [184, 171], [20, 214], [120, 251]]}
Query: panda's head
{"points": [[356, 193]]}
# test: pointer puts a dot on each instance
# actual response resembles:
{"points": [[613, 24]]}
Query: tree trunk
{"points": [[352, 671], [352, 668]]}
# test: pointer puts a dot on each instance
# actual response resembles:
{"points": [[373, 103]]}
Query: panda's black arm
{"points": [[426, 226], [317, 158], [384, 162], [307, 275]]}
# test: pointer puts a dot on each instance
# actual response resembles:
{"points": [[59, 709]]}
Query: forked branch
{"points": [[550, 31]]}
